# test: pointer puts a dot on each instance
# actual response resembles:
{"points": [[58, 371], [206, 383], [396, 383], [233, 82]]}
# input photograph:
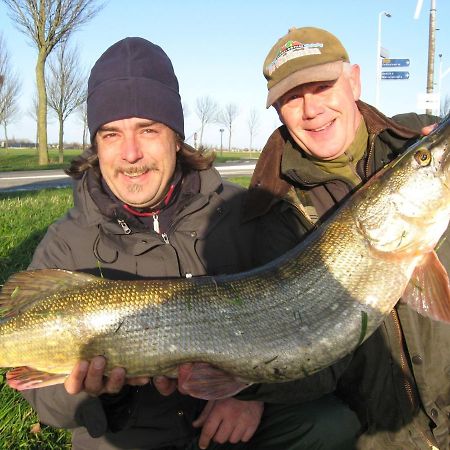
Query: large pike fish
{"points": [[283, 321]]}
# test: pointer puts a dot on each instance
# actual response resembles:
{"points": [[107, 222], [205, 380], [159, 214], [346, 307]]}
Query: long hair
{"points": [[187, 157]]}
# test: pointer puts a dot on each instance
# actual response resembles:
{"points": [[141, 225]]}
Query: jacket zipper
{"points": [[124, 226], [403, 362], [369, 155], [405, 370]]}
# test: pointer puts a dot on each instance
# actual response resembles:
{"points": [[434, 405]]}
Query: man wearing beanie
{"points": [[147, 205], [330, 143]]}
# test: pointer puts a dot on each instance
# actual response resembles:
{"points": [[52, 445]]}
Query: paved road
{"points": [[41, 179]]}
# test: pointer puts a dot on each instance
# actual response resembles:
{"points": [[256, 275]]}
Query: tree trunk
{"points": [[84, 136], [61, 140], [229, 141], [42, 109], [201, 137], [6, 137]]}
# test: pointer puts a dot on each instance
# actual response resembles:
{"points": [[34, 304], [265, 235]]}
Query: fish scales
{"points": [[150, 327], [292, 317]]}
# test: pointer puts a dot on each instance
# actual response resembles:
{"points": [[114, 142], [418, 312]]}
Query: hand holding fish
{"points": [[228, 420], [258, 326], [89, 377]]}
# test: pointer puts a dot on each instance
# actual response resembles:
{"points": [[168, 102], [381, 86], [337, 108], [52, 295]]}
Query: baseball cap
{"points": [[303, 55]]}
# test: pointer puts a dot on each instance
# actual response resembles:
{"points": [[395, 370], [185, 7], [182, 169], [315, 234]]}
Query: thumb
{"points": [[201, 419]]}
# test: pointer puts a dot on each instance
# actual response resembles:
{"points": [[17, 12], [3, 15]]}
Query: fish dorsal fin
{"points": [[24, 288], [428, 290]]}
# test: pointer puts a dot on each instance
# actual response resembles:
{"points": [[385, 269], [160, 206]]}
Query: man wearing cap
{"points": [[147, 205], [330, 143]]}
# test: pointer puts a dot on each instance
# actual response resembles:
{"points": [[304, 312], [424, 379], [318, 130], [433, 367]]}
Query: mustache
{"points": [[134, 170]]}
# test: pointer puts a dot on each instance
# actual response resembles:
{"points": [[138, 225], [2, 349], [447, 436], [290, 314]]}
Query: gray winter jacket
{"points": [[205, 237]]}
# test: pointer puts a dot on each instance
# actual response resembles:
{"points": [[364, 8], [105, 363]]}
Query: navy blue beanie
{"points": [[134, 78]]}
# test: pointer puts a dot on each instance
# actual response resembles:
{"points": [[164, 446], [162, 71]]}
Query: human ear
{"points": [[355, 81]]}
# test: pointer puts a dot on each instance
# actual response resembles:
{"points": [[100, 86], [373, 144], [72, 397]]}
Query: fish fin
{"points": [[23, 289], [22, 378], [428, 290], [204, 381]]}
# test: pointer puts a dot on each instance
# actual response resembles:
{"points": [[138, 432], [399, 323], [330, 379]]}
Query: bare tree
{"points": [[226, 117], [66, 88], [33, 112], [253, 125], [47, 23], [9, 90], [206, 111], [82, 114]]}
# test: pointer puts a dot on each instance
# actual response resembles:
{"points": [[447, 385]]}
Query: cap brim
{"points": [[321, 72]]}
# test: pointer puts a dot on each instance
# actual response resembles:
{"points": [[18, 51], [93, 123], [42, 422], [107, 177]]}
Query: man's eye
{"points": [[109, 135], [149, 130], [293, 97], [322, 87]]}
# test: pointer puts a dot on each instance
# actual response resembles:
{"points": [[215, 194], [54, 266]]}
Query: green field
{"points": [[24, 218], [27, 159]]}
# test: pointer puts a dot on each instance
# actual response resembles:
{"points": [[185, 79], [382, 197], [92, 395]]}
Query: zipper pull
{"points": [[124, 226], [156, 223], [165, 238]]}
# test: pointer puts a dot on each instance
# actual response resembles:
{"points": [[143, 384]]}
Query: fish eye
{"points": [[423, 157]]}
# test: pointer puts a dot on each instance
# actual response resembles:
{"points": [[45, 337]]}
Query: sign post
{"points": [[395, 75], [387, 62]]}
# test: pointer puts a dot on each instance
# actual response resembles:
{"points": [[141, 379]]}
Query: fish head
{"points": [[405, 208]]}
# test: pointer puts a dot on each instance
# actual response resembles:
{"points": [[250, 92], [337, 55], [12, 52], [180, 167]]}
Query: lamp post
{"points": [[431, 47], [221, 135], [379, 59], [442, 75]]}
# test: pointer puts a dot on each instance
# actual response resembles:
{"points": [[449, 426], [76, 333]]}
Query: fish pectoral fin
{"points": [[428, 290], [201, 380], [22, 378], [23, 289]]}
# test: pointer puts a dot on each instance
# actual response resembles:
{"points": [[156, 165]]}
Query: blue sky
{"points": [[218, 48]]}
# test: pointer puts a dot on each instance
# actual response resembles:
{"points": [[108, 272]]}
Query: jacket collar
{"points": [[88, 213], [268, 184]]}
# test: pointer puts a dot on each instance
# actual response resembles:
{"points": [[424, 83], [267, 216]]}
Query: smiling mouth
{"points": [[324, 127], [134, 174]]}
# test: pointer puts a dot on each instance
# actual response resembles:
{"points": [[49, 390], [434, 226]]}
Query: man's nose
{"points": [[311, 106], [131, 151]]}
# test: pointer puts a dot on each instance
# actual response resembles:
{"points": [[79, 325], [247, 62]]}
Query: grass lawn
{"points": [[27, 159], [24, 218]]}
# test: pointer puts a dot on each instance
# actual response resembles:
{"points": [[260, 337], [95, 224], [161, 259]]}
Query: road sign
{"points": [[386, 62], [395, 75]]}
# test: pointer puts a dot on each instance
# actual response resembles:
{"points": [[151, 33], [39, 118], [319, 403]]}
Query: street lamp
{"points": [[221, 135], [379, 58], [442, 74]]}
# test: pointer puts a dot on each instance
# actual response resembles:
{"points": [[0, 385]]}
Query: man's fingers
{"points": [[197, 423], [428, 129], [115, 381], [93, 383], [164, 385], [138, 381], [243, 435], [75, 381]]}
